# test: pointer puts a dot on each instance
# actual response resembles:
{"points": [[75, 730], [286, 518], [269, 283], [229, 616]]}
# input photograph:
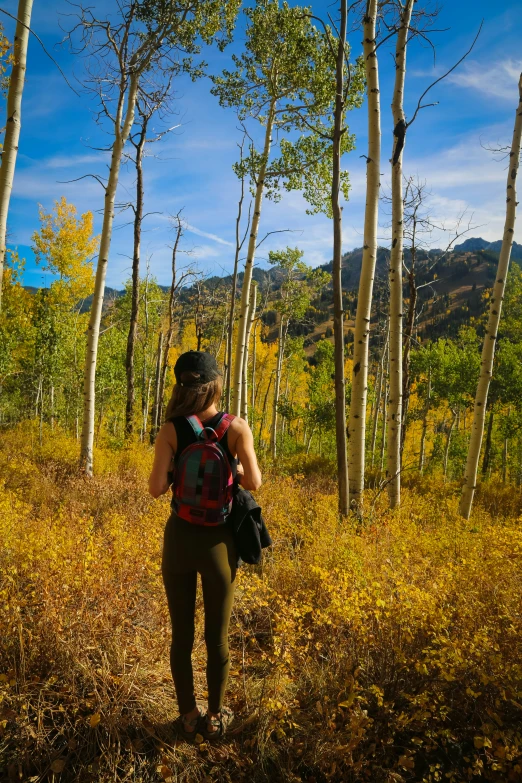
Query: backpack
{"points": [[203, 485]]}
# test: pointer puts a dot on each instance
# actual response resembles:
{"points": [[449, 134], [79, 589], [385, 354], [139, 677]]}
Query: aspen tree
{"points": [[177, 281], [495, 307], [281, 82], [133, 324], [394, 408], [357, 420], [340, 382], [240, 241], [299, 283], [13, 122], [250, 320], [141, 38], [325, 196], [378, 394], [148, 104]]}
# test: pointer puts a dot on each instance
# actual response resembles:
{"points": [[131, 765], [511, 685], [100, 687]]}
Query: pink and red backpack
{"points": [[203, 485]]}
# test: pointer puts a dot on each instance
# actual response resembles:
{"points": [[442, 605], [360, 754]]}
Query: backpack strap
{"points": [[199, 430], [220, 429]]}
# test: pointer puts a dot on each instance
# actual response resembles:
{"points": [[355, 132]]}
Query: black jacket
{"points": [[248, 528]]}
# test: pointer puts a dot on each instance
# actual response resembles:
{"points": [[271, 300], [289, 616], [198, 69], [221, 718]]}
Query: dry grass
{"points": [[391, 653]]}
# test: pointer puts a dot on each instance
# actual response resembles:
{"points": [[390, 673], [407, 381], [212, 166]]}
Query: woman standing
{"points": [[197, 540]]}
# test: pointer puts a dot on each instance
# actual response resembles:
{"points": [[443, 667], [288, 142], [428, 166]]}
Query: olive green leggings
{"points": [[189, 549]]}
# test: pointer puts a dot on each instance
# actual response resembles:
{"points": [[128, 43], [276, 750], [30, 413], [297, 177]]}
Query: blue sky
{"points": [[193, 169]]}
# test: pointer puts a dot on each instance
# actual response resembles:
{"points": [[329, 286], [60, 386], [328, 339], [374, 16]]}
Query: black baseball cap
{"points": [[197, 362]]}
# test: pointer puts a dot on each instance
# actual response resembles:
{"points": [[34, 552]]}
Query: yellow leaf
{"points": [[198, 739], [348, 701], [406, 762], [94, 720], [478, 742]]}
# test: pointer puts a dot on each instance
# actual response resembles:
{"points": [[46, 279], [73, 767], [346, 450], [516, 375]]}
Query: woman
{"points": [[189, 548]]}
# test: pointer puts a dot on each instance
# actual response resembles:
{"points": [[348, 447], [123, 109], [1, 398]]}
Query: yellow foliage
{"points": [[6, 58], [384, 652], [65, 246]]}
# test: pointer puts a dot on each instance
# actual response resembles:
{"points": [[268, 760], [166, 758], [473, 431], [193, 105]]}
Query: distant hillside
{"points": [[477, 243], [451, 289]]}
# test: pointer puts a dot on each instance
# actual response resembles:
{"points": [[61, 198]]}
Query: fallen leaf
{"points": [[94, 720]]}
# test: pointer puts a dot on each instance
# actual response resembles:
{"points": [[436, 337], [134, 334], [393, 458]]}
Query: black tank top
{"points": [[185, 436]]}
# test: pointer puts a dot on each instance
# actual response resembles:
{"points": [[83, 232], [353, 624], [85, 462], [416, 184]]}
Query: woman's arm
{"points": [[250, 476], [164, 450]]}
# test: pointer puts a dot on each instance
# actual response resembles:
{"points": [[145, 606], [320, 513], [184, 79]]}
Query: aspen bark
{"points": [[394, 412], [378, 394], [133, 325], [277, 386], [357, 420], [154, 427], [408, 336], [487, 448], [263, 415], [93, 332], [340, 382], [250, 320], [170, 330], [232, 311], [495, 307], [247, 278], [253, 381], [385, 397], [13, 122]]}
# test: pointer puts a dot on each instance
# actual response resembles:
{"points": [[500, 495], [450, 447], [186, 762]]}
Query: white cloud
{"points": [[499, 80], [207, 235]]}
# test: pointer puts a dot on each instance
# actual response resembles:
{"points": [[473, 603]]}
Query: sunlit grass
{"points": [[386, 652]]}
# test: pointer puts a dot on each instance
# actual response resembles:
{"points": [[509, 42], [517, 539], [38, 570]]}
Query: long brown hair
{"points": [[193, 397]]}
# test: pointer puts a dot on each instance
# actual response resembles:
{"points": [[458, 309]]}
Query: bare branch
{"points": [[18, 21], [419, 104]]}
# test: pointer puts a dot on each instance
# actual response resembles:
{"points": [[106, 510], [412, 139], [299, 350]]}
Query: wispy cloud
{"points": [[499, 80], [207, 235]]}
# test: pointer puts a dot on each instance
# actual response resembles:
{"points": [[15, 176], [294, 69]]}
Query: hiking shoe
{"points": [[220, 724], [188, 728]]}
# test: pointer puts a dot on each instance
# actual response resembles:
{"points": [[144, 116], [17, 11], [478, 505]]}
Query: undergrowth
{"points": [[389, 651]]}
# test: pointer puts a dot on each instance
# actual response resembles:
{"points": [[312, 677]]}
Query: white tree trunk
{"points": [[13, 122], [385, 397], [277, 386], [357, 420], [495, 307], [394, 413], [121, 136], [378, 394], [247, 279], [250, 320], [337, 215], [253, 381]]}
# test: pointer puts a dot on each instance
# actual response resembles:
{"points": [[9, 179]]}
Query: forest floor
{"points": [[384, 652]]}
